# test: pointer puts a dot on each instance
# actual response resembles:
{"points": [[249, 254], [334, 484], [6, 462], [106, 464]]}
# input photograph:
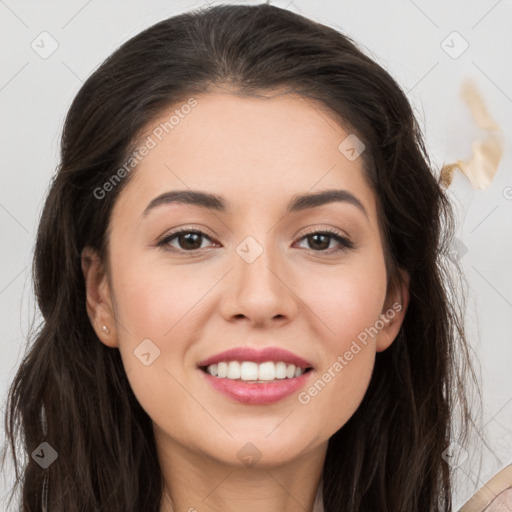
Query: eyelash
{"points": [[346, 244]]}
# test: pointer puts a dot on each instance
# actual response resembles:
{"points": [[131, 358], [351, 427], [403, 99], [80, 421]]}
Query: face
{"points": [[265, 270]]}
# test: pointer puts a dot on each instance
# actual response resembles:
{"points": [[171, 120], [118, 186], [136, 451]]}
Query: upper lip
{"points": [[257, 356]]}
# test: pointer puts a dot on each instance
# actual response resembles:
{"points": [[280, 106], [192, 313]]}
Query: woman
{"points": [[241, 267]]}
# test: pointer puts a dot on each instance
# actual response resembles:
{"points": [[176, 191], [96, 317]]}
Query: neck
{"points": [[195, 482]]}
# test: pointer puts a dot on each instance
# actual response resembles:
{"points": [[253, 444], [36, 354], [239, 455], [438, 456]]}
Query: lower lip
{"points": [[257, 394]]}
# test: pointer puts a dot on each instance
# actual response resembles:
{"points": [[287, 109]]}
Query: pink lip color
{"points": [[257, 394]]}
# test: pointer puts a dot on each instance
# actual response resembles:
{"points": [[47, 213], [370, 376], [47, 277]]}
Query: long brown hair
{"points": [[71, 391]]}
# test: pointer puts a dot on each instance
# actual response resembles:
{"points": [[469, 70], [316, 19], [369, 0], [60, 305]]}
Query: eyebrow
{"points": [[214, 202]]}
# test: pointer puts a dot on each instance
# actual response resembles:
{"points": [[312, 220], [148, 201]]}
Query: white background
{"points": [[404, 36]]}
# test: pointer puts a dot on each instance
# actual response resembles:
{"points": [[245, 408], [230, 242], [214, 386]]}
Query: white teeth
{"points": [[267, 371], [222, 369], [290, 371], [233, 370], [213, 370], [281, 370], [251, 371]]}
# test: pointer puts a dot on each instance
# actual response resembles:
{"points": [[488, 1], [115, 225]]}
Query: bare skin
{"points": [[493, 496], [256, 153]]}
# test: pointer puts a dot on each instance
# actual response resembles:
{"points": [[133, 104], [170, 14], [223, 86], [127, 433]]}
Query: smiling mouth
{"points": [[251, 372]]}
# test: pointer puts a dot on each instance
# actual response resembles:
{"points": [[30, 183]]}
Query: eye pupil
{"points": [[189, 240], [316, 237]]}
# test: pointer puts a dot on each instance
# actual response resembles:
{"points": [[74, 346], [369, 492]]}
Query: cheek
{"points": [[152, 298], [154, 310], [337, 390], [348, 354], [348, 303], [347, 299]]}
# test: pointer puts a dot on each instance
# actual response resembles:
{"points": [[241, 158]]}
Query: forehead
{"points": [[255, 151]]}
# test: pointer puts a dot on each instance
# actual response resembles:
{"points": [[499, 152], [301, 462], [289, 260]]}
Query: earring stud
{"points": [[105, 329]]}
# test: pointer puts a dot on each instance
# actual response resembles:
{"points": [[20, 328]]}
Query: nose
{"points": [[260, 292]]}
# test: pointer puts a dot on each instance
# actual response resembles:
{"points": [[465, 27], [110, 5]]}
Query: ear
{"points": [[98, 298], [393, 312]]}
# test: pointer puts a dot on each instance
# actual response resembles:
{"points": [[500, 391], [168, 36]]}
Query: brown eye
{"points": [[187, 240], [320, 241]]}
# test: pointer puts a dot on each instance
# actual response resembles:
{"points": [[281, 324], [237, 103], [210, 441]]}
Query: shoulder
{"points": [[495, 495]]}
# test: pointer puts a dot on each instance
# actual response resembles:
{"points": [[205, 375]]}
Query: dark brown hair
{"points": [[71, 390]]}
